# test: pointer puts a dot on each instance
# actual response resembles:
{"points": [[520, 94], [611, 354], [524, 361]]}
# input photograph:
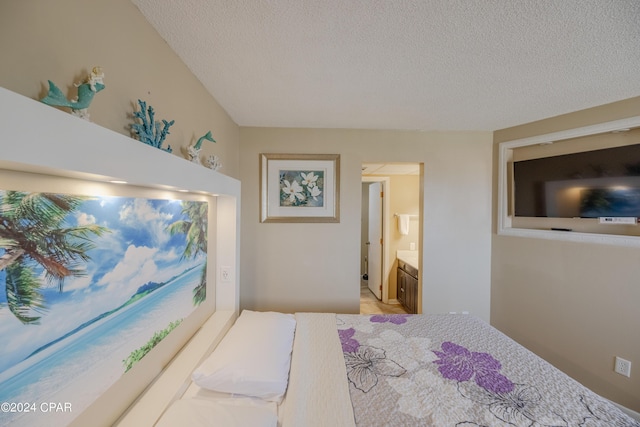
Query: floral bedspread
{"points": [[456, 370]]}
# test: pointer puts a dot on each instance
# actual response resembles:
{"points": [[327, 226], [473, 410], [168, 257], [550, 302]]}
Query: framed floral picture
{"points": [[299, 187]]}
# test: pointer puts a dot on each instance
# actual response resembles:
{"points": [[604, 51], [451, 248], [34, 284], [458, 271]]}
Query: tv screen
{"points": [[589, 184]]}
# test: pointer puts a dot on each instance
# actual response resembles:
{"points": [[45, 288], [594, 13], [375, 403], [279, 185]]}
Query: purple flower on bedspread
{"points": [[366, 364], [397, 319], [458, 363], [349, 344]]}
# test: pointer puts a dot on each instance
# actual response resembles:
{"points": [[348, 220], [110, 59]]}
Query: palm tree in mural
{"points": [[195, 229], [33, 232]]}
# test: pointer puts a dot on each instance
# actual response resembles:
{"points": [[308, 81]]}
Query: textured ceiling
{"points": [[404, 64]]}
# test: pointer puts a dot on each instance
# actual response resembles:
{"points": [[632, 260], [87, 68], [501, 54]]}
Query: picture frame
{"points": [[299, 187]]}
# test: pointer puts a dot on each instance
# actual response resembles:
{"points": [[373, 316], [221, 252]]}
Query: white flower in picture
{"points": [[315, 192], [309, 179], [293, 191]]}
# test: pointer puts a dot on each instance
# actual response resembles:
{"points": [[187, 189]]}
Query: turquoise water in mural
{"points": [[74, 371]]}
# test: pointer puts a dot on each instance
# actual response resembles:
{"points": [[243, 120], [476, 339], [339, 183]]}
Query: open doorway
{"points": [[388, 191]]}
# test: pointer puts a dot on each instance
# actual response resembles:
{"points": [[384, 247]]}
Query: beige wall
{"points": [[574, 304], [316, 267], [62, 40]]}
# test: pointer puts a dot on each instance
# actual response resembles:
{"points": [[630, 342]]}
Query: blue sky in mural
{"points": [[136, 250]]}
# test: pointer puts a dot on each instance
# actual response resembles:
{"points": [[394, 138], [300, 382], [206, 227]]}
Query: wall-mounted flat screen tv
{"points": [[590, 184]]}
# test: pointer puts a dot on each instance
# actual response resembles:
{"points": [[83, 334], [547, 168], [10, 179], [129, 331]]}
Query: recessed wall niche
{"points": [[557, 206]]}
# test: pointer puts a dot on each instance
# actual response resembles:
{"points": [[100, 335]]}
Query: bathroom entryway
{"points": [[398, 193]]}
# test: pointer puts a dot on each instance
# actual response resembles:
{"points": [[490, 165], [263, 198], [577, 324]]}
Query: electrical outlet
{"points": [[225, 274], [623, 367]]}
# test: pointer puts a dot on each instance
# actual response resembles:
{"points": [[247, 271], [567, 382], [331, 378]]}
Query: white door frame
{"points": [[386, 264], [374, 238]]}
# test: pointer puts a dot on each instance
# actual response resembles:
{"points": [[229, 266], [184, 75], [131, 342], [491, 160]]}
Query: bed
{"points": [[321, 369]]}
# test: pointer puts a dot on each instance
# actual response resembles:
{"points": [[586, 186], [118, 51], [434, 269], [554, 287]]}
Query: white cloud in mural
{"points": [[111, 243], [136, 268], [168, 256], [77, 283], [85, 219], [143, 212]]}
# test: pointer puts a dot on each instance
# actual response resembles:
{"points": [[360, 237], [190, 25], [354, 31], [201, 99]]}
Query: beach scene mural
{"points": [[88, 286]]}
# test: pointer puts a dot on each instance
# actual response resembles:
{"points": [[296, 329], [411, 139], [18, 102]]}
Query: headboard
{"points": [[45, 149]]}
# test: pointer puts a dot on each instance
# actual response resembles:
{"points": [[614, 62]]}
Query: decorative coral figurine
{"points": [[214, 163], [149, 131], [194, 154], [93, 84]]}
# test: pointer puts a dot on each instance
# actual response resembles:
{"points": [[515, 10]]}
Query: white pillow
{"points": [[253, 359], [195, 412]]}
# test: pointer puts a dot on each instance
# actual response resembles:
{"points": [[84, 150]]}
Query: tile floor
{"points": [[369, 304]]}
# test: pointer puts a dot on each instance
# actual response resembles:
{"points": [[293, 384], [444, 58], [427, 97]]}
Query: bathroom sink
{"points": [[409, 257]]}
